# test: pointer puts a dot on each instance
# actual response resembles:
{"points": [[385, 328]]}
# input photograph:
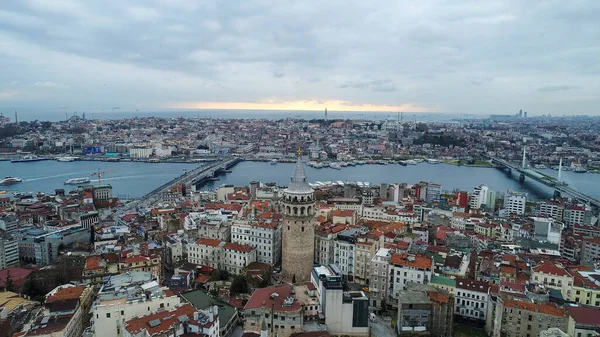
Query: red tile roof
{"points": [[549, 268], [208, 242], [413, 261], [342, 212], [166, 318], [237, 247], [585, 315], [18, 275], [468, 284], [66, 294], [533, 307], [262, 298]]}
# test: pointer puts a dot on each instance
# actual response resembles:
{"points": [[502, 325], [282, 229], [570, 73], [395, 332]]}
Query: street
{"points": [[381, 327]]}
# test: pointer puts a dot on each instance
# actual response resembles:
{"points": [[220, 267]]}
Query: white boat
{"points": [[274, 161], [77, 181], [411, 162], [335, 166], [66, 159], [10, 180], [419, 160], [433, 161]]}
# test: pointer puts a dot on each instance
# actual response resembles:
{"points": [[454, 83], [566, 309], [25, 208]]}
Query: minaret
{"points": [[326, 114], [263, 329], [298, 232], [16, 119]]}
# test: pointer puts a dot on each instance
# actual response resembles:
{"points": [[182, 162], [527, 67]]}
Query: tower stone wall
{"points": [[298, 232]]}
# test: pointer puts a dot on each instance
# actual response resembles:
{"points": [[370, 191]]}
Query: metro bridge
{"points": [[560, 187]]}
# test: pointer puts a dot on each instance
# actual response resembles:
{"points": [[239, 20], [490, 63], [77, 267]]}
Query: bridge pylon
{"points": [[521, 178]]}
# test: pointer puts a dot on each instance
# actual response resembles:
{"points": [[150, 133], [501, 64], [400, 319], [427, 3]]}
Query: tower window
{"points": [[302, 228]]}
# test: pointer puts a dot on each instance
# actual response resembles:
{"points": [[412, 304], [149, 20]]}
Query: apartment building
{"points": [[478, 197], [233, 257], [549, 209], [471, 299], [553, 276], [182, 321], [590, 251], [516, 318], [406, 268], [139, 263], [325, 235], [9, 250], [515, 202], [581, 215], [139, 296], [280, 302], [264, 237]]}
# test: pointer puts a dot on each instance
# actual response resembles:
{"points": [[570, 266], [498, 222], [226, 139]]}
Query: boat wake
{"points": [[135, 176], [50, 177]]}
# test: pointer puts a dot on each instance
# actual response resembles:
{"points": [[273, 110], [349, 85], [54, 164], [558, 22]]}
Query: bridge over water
{"points": [[196, 177], [560, 188]]}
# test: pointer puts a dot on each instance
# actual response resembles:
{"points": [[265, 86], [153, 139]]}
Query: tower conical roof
{"points": [[298, 182]]}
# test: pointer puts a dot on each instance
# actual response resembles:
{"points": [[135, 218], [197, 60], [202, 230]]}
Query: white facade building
{"points": [[139, 297], [9, 250], [140, 152], [478, 197], [405, 268], [471, 299], [515, 202], [343, 256], [264, 237], [221, 255]]}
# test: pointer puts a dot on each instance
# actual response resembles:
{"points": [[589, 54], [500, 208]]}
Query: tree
{"points": [[383, 306], [266, 279], [239, 285], [9, 283]]}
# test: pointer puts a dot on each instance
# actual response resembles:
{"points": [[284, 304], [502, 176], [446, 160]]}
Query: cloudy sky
{"points": [[440, 56]]}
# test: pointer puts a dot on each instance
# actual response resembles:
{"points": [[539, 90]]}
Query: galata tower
{"points": [[298, 238]]}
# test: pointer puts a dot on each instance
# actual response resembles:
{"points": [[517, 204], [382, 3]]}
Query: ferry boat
{"points": [[433, 161], [10, 180], [335, 166], [411, 162], [28, 158], [274, 161], [77, 181], [579, 169]]}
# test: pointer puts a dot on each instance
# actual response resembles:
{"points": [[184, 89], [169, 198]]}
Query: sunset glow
{"points": [[310, 105]]}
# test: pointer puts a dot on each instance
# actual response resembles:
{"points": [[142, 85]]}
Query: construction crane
{"points": [[100, 174]]}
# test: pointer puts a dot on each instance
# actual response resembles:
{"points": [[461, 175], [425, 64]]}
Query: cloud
{"points": [[552, 88], [476, 81], [159, 53], [385, 84], [143, 13], [48, 84]]}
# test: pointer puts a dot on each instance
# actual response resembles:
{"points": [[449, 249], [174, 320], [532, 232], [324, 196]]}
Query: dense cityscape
{"points": [[305, 258]]}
